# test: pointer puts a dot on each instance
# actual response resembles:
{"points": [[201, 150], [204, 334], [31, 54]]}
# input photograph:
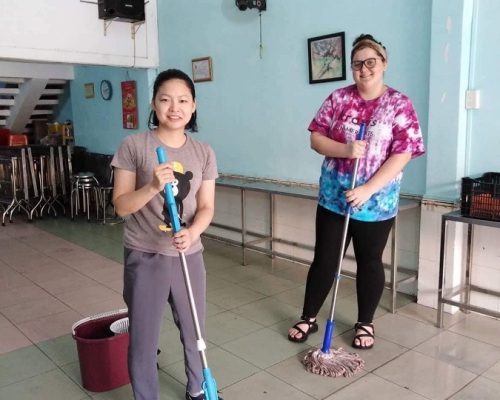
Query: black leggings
{"points": [[369, 240]]}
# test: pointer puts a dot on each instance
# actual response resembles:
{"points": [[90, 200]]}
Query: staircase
{"points": [[24, 101]]}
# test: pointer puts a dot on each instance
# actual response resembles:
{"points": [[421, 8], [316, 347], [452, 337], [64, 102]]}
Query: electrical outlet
{"points": [[472, 99]]}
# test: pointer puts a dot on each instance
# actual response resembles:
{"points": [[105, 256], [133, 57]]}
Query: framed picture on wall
{"points": [[88, 90], [202, 69], [327, 58]]}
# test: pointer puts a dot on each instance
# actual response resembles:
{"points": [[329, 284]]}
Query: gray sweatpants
{"points": [[150, 280]]}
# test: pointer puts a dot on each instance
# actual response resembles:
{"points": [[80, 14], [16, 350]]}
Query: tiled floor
{"points": [[55, 272]]}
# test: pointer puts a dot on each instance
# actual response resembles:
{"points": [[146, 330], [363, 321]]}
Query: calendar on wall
{"points": [[129, 105]]}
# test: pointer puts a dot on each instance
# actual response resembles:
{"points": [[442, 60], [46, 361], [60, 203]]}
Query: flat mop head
{"points": [[334, 364]]}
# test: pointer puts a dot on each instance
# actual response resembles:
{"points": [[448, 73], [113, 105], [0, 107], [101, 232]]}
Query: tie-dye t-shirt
{"points": [[392, 128]]}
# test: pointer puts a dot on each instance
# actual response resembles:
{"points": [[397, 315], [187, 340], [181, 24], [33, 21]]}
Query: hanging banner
{"points": [[129, 105]]}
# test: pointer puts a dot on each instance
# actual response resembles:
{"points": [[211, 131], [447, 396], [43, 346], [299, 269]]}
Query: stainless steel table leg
{"points": [[468, 265], [271, 224], [442, 263], [243, 228]]}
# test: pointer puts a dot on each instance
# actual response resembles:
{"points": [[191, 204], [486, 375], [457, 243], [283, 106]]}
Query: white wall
{"points": [[70, 32], [13, 69]]}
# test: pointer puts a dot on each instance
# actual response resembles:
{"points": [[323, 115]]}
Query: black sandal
{"points": [[312, 326], [362, 327]]}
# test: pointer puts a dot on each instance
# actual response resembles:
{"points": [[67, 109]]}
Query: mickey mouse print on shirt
{"points": [[180, 188]]}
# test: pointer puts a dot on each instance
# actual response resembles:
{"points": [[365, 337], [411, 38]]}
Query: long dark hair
{"points": [[160, 80]]}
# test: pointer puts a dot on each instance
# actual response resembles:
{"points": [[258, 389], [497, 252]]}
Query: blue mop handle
{"points": [[169, 195], [330, 323], [327, 339], [209, 385], [361, 136]]}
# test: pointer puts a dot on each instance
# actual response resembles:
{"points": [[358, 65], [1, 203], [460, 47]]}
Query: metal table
{"points": [[464, 290], [273, 189]]}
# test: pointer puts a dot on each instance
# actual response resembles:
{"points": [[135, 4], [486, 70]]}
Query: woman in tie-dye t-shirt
{"points": [[393, 138]]}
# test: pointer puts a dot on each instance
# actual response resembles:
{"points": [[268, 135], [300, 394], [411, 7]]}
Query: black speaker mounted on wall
{"points": [[244, 4], [122, 10]]}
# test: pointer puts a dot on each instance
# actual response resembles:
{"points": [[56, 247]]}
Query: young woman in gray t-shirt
{"points": [[153, 274]]}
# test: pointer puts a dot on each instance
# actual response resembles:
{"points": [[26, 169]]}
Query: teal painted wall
{"points": [[447, 115], [98, 123], [256, 110], [484, 127], [464, 53]]}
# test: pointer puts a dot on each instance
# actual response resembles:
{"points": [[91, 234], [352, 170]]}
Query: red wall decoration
{"points": [[129, 105]]}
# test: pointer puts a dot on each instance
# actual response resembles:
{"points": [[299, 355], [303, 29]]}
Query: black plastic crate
{"points": [[480, 197]]}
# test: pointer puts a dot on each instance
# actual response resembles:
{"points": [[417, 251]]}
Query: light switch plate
{"points": [[472, 99]]}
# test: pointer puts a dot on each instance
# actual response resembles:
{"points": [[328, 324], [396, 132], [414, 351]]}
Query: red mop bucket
{"points": [[102, 353]]}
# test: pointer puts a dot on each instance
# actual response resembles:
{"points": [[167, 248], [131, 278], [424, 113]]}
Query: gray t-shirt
{"points": [[194, 162]]}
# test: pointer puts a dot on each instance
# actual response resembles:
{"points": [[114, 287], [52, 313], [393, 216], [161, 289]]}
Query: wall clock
{"points": [[106, 89]]}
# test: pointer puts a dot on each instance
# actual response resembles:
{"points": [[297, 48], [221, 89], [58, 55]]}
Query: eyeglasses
{"points": [[368, 63]]}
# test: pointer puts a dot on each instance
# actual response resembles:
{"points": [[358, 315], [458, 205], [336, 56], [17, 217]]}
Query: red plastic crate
{"points": [[18, 140], [7, 138]]}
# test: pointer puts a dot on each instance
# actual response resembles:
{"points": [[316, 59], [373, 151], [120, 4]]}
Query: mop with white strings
{"points": [[209, 384], [327, 361]]}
